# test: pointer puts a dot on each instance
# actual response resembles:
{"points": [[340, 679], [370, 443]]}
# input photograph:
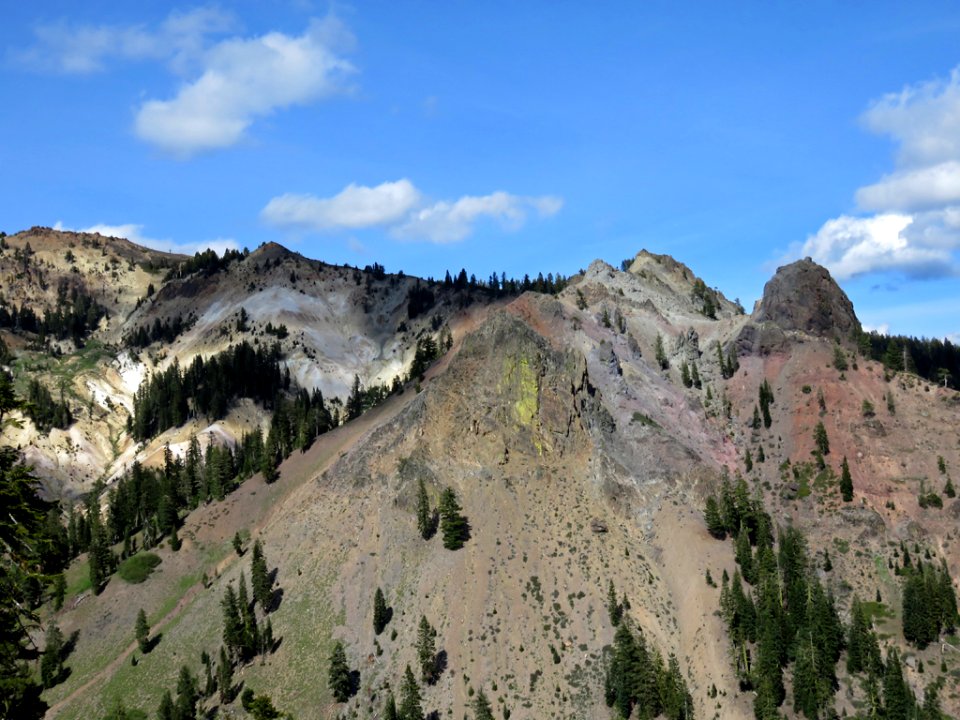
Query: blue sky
{"points": [[504, 137]]}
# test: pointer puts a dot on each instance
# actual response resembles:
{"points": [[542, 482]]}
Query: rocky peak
{"points": [[803, 296]]}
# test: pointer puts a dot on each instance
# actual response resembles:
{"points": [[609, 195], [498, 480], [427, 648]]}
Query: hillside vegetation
{"points": [[281, 487]]}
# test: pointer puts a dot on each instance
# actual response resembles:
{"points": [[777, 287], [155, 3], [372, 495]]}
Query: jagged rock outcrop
{"points": [[802, 296]]}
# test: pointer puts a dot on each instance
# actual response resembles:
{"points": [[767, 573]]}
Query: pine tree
{"points": [[424, 517], [715, 525], [744, 555], [453, 525], [807, 685], [748, 461], [355, 400], [341, 685], [187, 696], [166, 711], [260, 578], [755, 423], [947, 600], [427, 650], [766, 400], [685, 374], [898, 699], [270, 459], [481, 707], [660, 353], [722, 362], [232, 623], [733, 363], [381, 613], [846, 481], [614, 608], [948, 489], [820, 439], [674, 695], [390, 708], [410, 707], [142, 632], [931, 703], [251, 632], [51, 663], [225, 677]]}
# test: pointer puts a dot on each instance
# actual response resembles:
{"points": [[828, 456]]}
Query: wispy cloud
{"points": [[356, 206], [916, 225], [446, 222], [244, 79], [227, 82], [134, 233], [402, 209], [74, 48]]}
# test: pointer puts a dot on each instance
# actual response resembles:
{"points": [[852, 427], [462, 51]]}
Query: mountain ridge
{"points": [[581, 449]]}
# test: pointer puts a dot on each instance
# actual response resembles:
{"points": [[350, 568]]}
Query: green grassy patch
{"points": [[882, 570], [824, 479], [842, 546], [639, 417], [875, 611], [78, 579], [137, 568]]}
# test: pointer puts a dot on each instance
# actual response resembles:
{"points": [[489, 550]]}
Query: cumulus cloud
{"points": [[401, 208], [226, 82], [446, 222], [924, 119], [243, 79], [851, 246], [914, 189], [83, 49], [356, 206], [916, 225], [134, 233]]}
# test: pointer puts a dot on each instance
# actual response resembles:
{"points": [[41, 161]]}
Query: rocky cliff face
{"points": [[803, 297]]}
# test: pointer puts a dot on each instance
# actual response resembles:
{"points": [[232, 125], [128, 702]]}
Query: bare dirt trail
{"points": [[223, 522]]}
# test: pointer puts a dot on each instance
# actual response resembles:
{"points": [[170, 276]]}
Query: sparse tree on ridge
{"points": [[427, 650], [846, 481], [381, 613], [339, 673], [410, 702], [453, 525], [260, 578], [142, 632]]}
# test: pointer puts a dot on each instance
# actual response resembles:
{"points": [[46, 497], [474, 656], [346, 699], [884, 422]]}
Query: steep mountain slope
{"points": [[582, 433], [332, 324]]}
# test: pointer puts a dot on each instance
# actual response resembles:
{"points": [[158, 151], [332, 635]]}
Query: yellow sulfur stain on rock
{"points": [[521, 380]]}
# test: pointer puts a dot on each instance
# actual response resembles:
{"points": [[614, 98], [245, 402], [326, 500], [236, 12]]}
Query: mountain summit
{"points": [[803, 296]]}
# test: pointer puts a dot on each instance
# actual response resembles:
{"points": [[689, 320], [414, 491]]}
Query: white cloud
{"points": [[924, 119], [134, 233], [446, 222], [83, 49], [914, 189], [881, 329], [851, 246], [243, 79], [916, 228], [400, 207], [356, 206]]}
